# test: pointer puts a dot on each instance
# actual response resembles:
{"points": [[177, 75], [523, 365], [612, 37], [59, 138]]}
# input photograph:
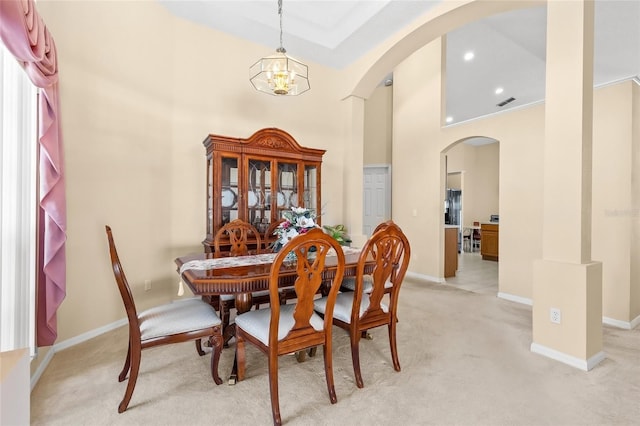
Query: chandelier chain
{"points": [[280, 14]]}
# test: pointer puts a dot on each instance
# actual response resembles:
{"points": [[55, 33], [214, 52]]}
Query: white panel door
{"points": [[376, 197]]}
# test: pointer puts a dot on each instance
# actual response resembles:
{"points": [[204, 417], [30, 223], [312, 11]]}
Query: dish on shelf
{"points": [[293, 199], [281, 199], [252, 199], [228, 197]]}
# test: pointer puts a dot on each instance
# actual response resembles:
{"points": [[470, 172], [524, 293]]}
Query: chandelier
{"points": [[279, 74]]}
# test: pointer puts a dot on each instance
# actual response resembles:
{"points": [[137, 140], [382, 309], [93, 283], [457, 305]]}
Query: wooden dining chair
{"points": [[241, 239], [176, 322], [283, 329], [476, 237], [358, 311], [268, 237], [349, 283]]}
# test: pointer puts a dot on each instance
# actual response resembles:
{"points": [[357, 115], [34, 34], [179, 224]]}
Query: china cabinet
{"points": [[257, 178]]}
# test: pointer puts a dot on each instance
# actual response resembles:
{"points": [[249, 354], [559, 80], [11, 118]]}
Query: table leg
{"points": [[243, 304]]}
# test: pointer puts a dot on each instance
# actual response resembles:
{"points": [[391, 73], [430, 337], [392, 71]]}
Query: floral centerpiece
{"points": [[298, 220]]}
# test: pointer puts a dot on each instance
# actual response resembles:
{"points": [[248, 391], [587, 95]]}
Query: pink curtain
{"points": [[23, 32]]}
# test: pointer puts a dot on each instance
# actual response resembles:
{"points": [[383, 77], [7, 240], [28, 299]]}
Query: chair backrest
{"points": [[268, 234], [311, 250], [390, 249], [240, 235], [123, 286], [382, 226]]}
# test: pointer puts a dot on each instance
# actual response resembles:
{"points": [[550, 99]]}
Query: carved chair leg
{"points": [[273, 388], [199, 347], [283, 297], [216, 343], [127, 364], [328, 372], [240, 354], [133, 377], [355, 357], [225, 316], [394, 347]]}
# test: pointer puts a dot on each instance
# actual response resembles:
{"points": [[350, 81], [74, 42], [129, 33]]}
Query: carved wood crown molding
{"points": [[272, 142]]}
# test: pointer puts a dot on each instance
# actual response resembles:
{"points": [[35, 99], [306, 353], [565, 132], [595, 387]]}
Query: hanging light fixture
{"points": [[279, 74]]}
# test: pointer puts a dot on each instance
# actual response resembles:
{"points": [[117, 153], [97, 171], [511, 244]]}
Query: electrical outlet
{"points": [[147, 285], [555, 315]]}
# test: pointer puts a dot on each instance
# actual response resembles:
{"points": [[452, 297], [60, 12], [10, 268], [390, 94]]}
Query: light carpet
{"points": [[465, 360]]}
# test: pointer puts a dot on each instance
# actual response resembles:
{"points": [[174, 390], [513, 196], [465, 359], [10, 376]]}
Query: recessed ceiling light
{"points": [[499, 90], [468, 56], [449, 119]]}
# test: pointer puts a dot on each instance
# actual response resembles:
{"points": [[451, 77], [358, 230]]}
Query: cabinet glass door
{"points": [[287, 195], [229, 189], [259, 194], [310, 193]]}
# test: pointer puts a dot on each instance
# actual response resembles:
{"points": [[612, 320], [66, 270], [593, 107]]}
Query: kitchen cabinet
{"points": [[450, 251], [489, 238], [257, 178]]}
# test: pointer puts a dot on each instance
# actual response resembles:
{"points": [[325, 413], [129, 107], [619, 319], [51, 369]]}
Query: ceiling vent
{"points": [[506, 101]]}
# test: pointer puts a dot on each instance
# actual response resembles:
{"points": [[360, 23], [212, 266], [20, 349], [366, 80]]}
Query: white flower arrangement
{"points": [[298, 220]]}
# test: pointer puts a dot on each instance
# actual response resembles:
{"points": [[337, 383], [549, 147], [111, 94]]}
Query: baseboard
{"points": [[584, 365], [635, 322], [425, 278], [625, 325], [72, 342], [514, 298]]}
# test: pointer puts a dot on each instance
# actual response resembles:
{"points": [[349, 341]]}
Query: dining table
{"points": [[208, 275]]}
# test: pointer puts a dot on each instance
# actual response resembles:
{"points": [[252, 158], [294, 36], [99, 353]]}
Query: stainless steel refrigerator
{"points": [[452, 206]]}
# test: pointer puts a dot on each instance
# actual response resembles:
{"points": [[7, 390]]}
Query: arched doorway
{"points": [[472, 170]]}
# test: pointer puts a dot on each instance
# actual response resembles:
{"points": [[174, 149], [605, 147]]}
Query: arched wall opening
{"points": [[471, 194]]}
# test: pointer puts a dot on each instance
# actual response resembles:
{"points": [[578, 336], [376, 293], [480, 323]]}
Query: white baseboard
{"points": [[514, 298], [625, 325], [584, 365], [72, 342]]}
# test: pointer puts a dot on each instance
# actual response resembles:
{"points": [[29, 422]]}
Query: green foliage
{"points": [[339, 233]]}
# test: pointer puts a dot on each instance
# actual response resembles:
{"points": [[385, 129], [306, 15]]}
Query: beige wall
{"points": [[612, 194], [454, 180], [635, 202], [378, 126]]}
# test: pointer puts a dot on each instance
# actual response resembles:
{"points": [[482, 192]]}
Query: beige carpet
{"points": [[465, 361]]}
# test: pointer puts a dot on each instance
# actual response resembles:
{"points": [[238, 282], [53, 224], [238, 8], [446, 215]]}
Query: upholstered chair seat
{"points": [[256, 323], [176, 318], [344, 305], [349, 283]]}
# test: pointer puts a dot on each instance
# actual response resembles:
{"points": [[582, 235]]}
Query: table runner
{"points": [[229, 262]]}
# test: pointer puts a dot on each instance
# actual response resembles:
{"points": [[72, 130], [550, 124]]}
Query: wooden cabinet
{"points": [[489, 241], [450, 251], [257, 178]]}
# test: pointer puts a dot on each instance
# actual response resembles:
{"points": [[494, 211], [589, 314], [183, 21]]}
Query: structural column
{"points": [[353, 170], [567, 284]]}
